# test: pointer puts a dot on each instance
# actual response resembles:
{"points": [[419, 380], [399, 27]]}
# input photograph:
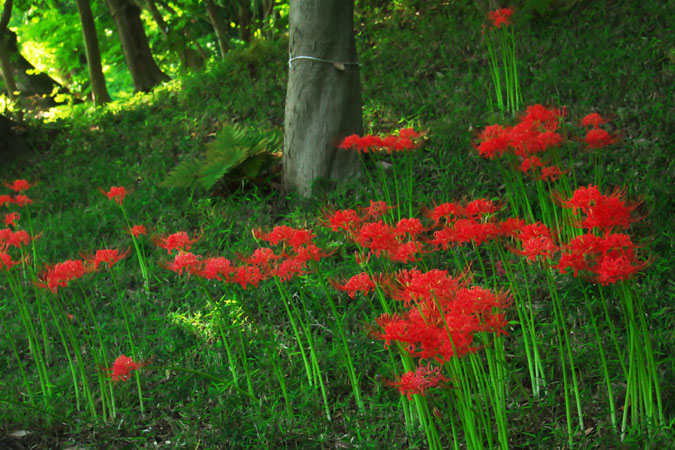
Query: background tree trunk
{"points": [[218, 26], [99, 91], [323, 100], [137, 53], [5, 65]]}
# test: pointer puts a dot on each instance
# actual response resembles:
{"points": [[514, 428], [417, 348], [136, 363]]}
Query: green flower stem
{"points": [[603, 359], [134, 350], [228, 349], [345, 347], [560, 319], [103, 353], [33, 341], [651, 360], [58, 319], [26, 383], [139, 254], [298, 339]]}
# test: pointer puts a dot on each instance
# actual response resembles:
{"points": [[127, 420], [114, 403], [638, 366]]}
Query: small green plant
{"points": [[241, 153]]}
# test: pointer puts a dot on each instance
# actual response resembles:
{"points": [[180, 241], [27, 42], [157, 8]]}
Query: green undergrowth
{"points": [[423, 65]]}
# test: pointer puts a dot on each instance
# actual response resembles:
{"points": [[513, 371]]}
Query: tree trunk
{"points": [[99, 91], [5, 65], [218, 26], [137, 53], [323, 99]]}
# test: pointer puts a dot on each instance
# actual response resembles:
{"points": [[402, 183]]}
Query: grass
{"points": [[422, 65]]}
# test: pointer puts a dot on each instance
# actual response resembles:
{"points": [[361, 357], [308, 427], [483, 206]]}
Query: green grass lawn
{"points": [[423, 65]]}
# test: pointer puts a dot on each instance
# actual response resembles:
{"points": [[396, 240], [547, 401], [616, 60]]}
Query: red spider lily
{"points": [[412, 227], [289, 268], [122, 368], [602, 211], [539, 116], [262, 257], [22, 200], [295, 237], [593, 120], [480, 207], [510, 227], [418, 381], [406, 252], [5, 199], [185, 261], [11, 218], [108, 256], [536, 242], [219, 268], [402, 142], [445, 316], [361, 282], [598, 138], [611, 269], [137, 230], [610, 258], [6, 262], [532, 162], [501, 17], [16, 238], [443, 211], [176, 241], [116, 193], [62, 273], [377, 237], [342, 219], [464, 231], [376, 209], [415, 285], [19, 185], [550, 173], [245, 275]]}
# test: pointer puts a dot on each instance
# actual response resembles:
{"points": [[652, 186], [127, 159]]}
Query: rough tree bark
{"points": [[144, 71], [5, 65], [323, 98], [99, 91], [218, 26]]}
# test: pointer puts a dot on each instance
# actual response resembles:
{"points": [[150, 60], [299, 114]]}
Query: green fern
{"points": [[237, 152]]}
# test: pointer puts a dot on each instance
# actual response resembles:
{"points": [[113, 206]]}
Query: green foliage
{"points": [[240, 153]]}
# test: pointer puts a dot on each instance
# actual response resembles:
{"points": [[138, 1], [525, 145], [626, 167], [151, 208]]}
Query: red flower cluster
{"points": [[361, 282], [137, 230], [20, 200], [405, 141], [610, 258], [116, 193], [443, 314], [601, 211], [398, 242], [175, 241], [11, 218], [62, 273], [298, 249], [122, 368], [418, 381], [15, 239], [536, 241], [500, 17], [19, 185], [534, 134], [107, 256], [6, 262], [596, 137]]}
